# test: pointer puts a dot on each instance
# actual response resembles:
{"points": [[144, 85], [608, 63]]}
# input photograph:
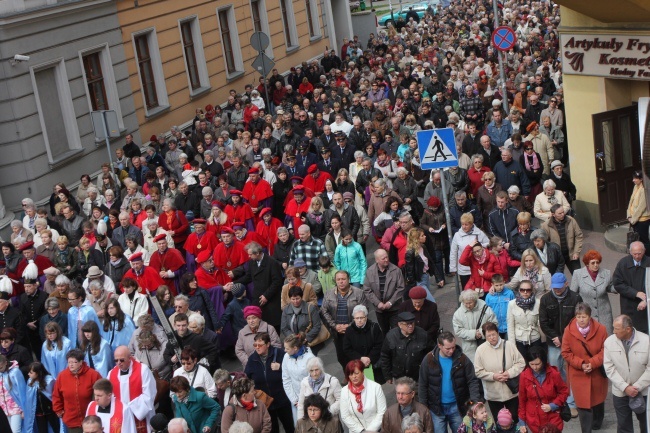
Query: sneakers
{"points": [[574, 412]]}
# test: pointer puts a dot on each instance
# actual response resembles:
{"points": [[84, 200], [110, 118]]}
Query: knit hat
{"points": [[252, 310], [433, 201], [417, 292], [504, 418], [238, 289]]}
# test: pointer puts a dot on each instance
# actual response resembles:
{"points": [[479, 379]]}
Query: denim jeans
{"points": [[424, 282], [556, 360], [450, 415]]}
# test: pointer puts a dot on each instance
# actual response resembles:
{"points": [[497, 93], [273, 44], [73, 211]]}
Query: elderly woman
{"points": [[282, 249], [407, 188], [523, 319], [320, 383], [520, 239], [317, 416], [294, 368], [40, 224], [637, 212], [486, 196], [200, 411], [363, 340], [54, 314], [548, 252], [98, 297], [245, 340], [246, 408], [299, 316], [61, 293], [265, 368], [20, 232], [542, 393], [209, 338], [467, 235], [593, 284], [174, 223], [475, 174], [533, 270], [489, 366], [149, 350], [533, 167], [583, 350], [363, 403], [469, 319], [546, 199], [518, 201]]}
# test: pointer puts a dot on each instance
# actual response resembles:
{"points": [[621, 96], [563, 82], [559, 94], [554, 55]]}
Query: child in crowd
{"points": [[234, 313], [505, 423], [325, 276], [477, 420], [508, 264], [498, 299]]}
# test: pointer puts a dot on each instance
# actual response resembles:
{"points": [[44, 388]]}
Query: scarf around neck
{"points": [[531, 162], [525, 304], [316, 384], [357, 390], [584, 331]]}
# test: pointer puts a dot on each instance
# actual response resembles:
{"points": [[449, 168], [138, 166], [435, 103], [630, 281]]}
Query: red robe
{"points": [[170, 260], [255, 193], [269, 233], [308, 194], [253, 237], [293, 211], [207, 240], [216, 228], [148, 280], [317, 185], [41, 262], [229, 258], [241, 213], [208, 280]]}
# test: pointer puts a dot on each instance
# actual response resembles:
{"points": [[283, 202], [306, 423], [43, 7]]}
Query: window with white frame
{"points": [[261, 22], [289, 23], [101, 87], [311, 8], [195, 65], [152, 78], [55, 110], [230, 45]]}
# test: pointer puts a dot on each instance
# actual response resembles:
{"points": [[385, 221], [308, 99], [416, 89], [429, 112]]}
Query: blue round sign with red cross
{"points": [[503, 38]]}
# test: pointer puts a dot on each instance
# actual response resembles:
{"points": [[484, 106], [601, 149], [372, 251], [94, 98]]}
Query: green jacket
{"points": [[199, 410]]}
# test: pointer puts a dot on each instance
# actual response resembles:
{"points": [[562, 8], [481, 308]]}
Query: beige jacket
{"points": [[637, 209], [523, 325], [543, 146], [623, 372], [489, 360], [573, 234]]}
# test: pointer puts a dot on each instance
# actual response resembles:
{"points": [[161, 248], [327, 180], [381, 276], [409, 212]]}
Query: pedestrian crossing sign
{"points": [[437, 148]]}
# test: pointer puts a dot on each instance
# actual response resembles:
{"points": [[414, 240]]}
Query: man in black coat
{"points": [[10, 317], [342, 151], [32, 308], [403, 349], [185, 338], [425, 312], [491, 153], [130, 148], [629, 282], [365, 176], [186, 200], [548, 252], [466, 386], [265, 273], [461, 207]]}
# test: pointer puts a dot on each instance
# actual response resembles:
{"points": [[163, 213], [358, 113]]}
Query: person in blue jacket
{"points": [[55, 348], [498, 300], [39, 416], [98, 353], [117, 328], [264, 367], [13, 389], [349, 256]]}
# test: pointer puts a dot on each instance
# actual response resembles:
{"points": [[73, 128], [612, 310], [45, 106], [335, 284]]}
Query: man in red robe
{"points": [[246, 237], [298, 205], [230, 253], [197, 242], [41, 262], [295, 181], [315, 179], [207, 275], [146, 276], [257, 191], [169, 263], [240, 211], [267, 228]]}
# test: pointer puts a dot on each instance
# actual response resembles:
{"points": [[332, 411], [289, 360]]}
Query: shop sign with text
{"points": [[612, 56]]}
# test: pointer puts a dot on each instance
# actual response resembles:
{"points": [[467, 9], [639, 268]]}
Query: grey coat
{"points": [[354, 298], [393, 288], [594, 294], [303, 318]]}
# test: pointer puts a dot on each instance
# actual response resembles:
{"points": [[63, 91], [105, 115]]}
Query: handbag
{"points": [[480, 341], [632, 236], [264, 398], [513, 382], [564, 411], [601, 369], [323, 334]]}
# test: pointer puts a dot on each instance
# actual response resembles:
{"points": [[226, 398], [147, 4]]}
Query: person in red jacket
{"points": [[73, 391], [542, 393], [174, 222], [483, 266]]}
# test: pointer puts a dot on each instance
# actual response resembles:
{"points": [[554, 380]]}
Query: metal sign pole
{"points": [[502, 74], [266, 88], [445, 202], [108, 142]]}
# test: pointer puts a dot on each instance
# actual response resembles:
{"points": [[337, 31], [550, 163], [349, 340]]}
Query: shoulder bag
{"points": [[564, 410], [480, 341], [513, 382], [323, 334], [601, 369]]}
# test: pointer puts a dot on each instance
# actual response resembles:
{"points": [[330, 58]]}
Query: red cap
{"points": [[135, 257], [218, 204], [26, 246], [265, 211], [299, 189], [226, 229], [160, 237], [253, 170], [199, 221], [312, 169], [203, 256], [235, 192], [417, 292], [296, 178], [238, 225], [153, 138], [227, 165], [433, 201]]}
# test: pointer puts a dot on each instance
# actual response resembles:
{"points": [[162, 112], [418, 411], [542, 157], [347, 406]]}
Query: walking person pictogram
{"points": [[438, 146]]}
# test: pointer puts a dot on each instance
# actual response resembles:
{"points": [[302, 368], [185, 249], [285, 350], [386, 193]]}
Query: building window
{"points": [[257, 16], [230, 41], [289, 22], [56, 110], [312, 18], [95, 81], [260, 21], [190, 55], [152, 78]]}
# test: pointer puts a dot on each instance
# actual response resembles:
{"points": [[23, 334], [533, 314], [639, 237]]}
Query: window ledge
{"points": [[200, 91], [154, 112], [315, 38], [65, 158], [292, 49], [234, 76]]}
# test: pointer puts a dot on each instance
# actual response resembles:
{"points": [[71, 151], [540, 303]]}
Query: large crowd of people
{"points": [[248, 235]]}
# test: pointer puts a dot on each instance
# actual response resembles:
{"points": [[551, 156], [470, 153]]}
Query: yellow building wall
{"points": [[163, 15]]}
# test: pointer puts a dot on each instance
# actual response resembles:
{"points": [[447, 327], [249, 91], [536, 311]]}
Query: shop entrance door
{"points": [[618, 155]]}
